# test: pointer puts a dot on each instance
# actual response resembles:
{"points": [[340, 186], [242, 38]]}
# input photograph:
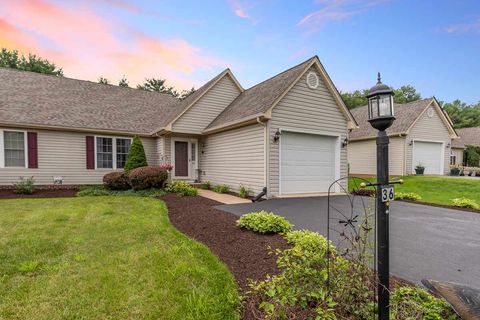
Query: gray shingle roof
{"points": [[38, 99], [405, 115], [470, 136], [260, 97]]}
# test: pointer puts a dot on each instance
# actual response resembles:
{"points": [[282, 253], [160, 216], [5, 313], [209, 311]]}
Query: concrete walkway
{"points": [[222, 197]]}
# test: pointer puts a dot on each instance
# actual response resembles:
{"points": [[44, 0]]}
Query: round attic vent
{"points": [[312, 80], [430, 112]]}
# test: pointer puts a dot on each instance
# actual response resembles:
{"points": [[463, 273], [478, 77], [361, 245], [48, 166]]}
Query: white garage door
{"points": [[307, 162], [430, 155]]}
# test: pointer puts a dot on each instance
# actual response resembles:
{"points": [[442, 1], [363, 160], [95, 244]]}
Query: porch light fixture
{"points": [[345, 143], [380, 106], [277, 135]]}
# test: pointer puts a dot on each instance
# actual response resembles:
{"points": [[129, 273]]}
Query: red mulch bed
{"points": [[59, 193]]}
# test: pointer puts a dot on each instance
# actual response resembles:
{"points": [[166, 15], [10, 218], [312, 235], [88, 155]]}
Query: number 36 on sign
{"points": [[388, 194]]}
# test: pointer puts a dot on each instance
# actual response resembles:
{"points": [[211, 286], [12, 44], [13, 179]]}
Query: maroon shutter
{"points": [[90, 142], [32, 150]]}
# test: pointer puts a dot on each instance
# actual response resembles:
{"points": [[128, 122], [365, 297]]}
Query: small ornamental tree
{"points": [[136, 155]]}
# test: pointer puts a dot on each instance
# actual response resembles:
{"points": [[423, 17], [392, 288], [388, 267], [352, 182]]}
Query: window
{"points": [[14, 147], [194, 147], [104, 153], [123, 145], [453, 159], [112, 152]]}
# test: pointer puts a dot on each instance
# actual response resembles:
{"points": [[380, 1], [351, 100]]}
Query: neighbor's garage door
{"points": [[307, 162], [430, 155]]}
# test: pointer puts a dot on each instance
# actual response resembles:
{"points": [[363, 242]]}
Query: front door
{"points": [[181, 159]]}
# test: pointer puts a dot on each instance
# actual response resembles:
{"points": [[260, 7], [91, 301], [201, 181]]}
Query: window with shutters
{"points": [[111, 152], [13, 146]]}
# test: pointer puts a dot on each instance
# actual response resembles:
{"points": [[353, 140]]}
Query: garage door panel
{"points": [[430, 155], [307, 162]]}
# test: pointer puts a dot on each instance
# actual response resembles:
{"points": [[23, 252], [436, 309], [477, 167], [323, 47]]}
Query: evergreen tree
{"points": [[136, 155]]}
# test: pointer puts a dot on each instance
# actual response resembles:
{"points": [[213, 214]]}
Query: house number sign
{"points": [[388, 194]]}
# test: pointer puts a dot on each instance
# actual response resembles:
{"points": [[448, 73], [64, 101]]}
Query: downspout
{"points": [[265, 160]]}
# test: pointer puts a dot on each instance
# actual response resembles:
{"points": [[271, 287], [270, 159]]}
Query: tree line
{"points": [[462, 114], [12, 59]]}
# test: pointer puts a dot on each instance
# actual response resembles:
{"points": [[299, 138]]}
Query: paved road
{"points": [[425, 241]]}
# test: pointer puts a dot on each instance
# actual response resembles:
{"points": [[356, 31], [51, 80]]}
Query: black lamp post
{"points": [[381, 117]]}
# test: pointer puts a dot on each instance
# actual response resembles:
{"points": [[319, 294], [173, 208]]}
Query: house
{"points": [[421, 134], [285, 133], [468, 137]]}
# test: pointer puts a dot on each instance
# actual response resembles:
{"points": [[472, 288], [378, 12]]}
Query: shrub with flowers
{"points": [[166, 166]]}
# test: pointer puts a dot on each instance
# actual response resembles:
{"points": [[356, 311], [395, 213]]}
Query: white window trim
{"points": [[2, 148], [114, 151]]}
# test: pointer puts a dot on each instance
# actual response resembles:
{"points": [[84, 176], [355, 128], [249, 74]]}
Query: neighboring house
{"points": [[468, 136], [285, 133], [458, 147], [421, 134]]}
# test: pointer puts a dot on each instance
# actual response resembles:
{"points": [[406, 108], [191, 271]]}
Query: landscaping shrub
{"points": [[206, 185], [181, 188], [244, 192], [147, 177], [136, 155], [221, 188], [89, 191], [465, 203], [408, 196], [116, 181], [25, 185], [264, 222], [416, 303], [311, 286]]}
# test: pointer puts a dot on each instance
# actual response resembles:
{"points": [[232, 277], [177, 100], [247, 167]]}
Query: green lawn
{"points": [[439, 190], [106, 258]]}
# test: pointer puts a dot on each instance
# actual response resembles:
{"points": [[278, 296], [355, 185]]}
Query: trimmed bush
{"points": [[147, 178], [116, 181], [465, 203], [264, 222], [408, 196], [206, 185], [181, 188], [221, 188], [136, 155], [25, 185], [308, 240]]}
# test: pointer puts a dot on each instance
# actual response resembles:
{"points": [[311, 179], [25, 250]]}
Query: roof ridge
{"points": [[82, 80], [285, 71]]}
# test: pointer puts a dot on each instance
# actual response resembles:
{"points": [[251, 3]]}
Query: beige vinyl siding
{"points": [[64, 154], [362, 156], [429, 129], [205, 110], [458, 153], [234, 158], [305, 110], [159, 143]]}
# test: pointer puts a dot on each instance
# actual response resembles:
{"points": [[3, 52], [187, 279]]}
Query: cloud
{"points": [[464, 27], [242, 9], [335, 10], [87, 45]]}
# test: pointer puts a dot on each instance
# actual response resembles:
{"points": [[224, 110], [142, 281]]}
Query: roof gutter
{"points": [[235, 124], [73, 129]]}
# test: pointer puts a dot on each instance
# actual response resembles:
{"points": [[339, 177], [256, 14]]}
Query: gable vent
{"points": [[312, 80]]}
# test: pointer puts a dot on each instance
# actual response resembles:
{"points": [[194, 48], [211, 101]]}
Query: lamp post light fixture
{"points": [[381, 117]]}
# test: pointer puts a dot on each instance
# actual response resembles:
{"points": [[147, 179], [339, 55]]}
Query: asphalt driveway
{"points": [[425, 241]]}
